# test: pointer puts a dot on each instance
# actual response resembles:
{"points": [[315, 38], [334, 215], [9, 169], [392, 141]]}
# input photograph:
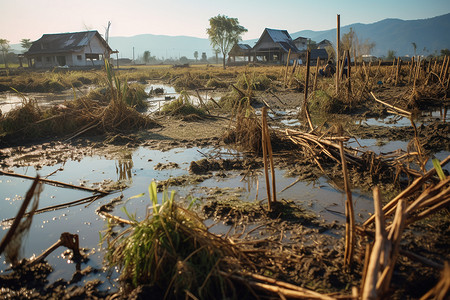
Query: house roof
{"points": [[244, 46], [65, 42], [279, 37], [315, 53]]}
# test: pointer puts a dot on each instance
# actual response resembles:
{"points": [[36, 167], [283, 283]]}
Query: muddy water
{"points": [[10, 100], [157, 101], [136, 168]]}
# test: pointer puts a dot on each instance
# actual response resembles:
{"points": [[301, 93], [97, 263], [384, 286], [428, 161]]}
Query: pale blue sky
{"points": [[30, 19]]}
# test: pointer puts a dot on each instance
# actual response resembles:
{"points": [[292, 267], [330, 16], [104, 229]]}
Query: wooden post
{"points": [[444, 76], [350, 238], [287, 66], [397, 74], [315, 75], [305, 102], [349, 72], [411, 68], [354, 57], [442, 67], [338, 33], [264, 148]]}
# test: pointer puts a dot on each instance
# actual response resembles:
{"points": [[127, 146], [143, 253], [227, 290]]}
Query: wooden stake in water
{"points": [[265, 160], [338, 33], [305, 102]]}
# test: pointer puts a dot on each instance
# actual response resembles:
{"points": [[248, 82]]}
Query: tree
{"points": [[445, 52], [223, 33], [26, 44], [4, 44], [351, 42], [147, 56], [391, 55], [184, 60], [204, 57], [196, 55], [415, 48]]}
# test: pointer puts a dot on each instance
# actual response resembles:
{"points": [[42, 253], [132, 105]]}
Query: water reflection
{"points": [[124, 167]]}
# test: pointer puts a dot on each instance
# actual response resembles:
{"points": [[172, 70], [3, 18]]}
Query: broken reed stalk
{"points": [[264, 148], [443, 66], [369, 287], [440, 291], [287, 67], [201, 102], [305, 102], [411, 68], [414, 186], [394, 238], [350, 232], [349, 68], [315, 75], [391, 106], [68, 240], [338, 38], [397, 74], [58, 183], [270, 156], [7, 238]]}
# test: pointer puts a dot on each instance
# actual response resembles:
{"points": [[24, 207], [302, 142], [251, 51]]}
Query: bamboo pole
{"points": [[349, 70], [397, 74], [264, 148], [411, 68], [287, 67], [391, 106], [443, 66], [444, 76], [272, 167], [410, 189], [338, 33], [305, 102], [350, 238], [369, 291], [315, 75]]}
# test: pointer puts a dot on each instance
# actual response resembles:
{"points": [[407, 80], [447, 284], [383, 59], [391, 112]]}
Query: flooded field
{"points": [[125, 162]]}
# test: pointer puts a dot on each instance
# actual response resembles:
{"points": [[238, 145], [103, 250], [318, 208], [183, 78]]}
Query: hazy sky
{"points": [[30, 19]]}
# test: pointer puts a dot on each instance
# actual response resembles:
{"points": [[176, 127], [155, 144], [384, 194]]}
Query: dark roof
{"points": [[240, 50], [64, 42], [280, 37], [322, 53], [324, 43]]}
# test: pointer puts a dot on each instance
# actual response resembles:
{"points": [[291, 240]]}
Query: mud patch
{"points": [[206, 165]]}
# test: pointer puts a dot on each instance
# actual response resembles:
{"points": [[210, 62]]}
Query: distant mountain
{"points": [[161, 46], [429, 35]]}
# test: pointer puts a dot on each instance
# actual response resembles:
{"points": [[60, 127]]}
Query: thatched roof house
{"points": [[76, 49]]}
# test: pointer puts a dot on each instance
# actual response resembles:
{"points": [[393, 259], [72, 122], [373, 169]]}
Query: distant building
{"points": [[316, 54], [241, 51], [76, 49], [273, 46], [324, 44], [301, 43]]}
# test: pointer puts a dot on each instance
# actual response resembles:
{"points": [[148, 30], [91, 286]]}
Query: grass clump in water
{"points": [[171, 250], [183, 107]]}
